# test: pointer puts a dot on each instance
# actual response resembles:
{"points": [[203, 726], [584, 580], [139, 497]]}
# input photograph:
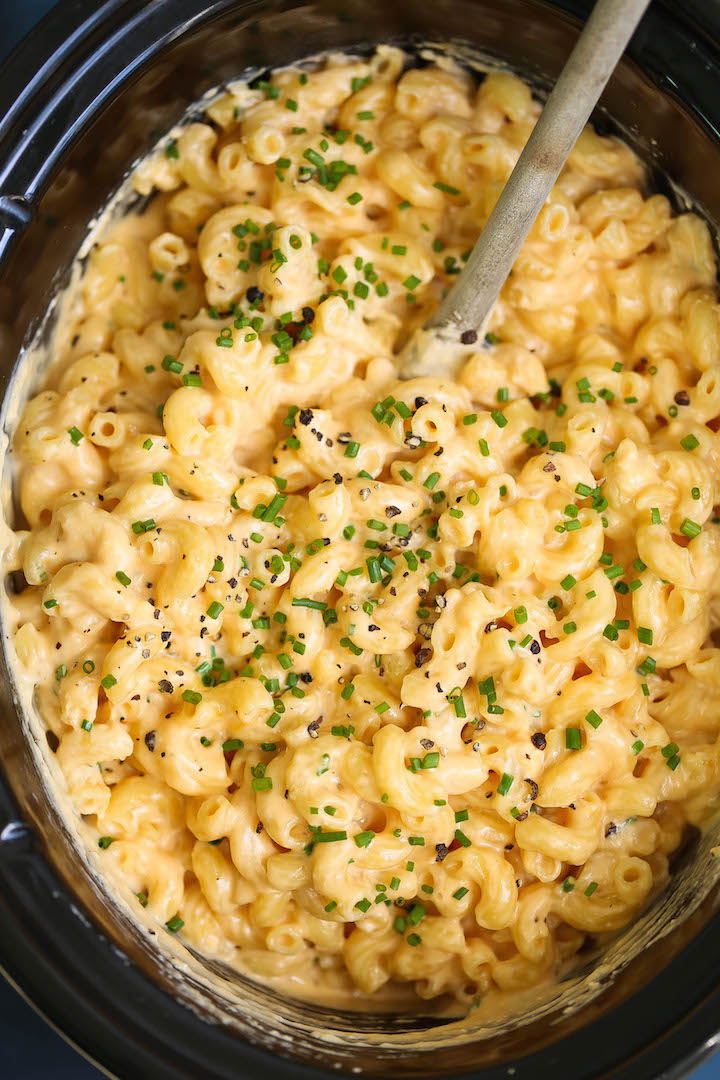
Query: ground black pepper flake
{"points": [[533, 788]]}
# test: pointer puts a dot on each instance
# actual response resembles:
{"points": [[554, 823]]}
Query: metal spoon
{"points": [[567, 110]]}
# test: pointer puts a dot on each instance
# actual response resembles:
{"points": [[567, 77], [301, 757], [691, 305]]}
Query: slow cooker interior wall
{"points": [[508, 30]]}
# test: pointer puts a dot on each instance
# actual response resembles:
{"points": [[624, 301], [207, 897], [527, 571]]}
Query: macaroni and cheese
{"points": [[359, 681]]}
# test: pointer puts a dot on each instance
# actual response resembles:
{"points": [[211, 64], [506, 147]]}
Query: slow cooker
{"points": [[82, 99]]}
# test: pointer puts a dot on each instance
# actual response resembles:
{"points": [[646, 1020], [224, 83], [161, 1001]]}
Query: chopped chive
{"points": [[446, 188], [139, 527], [416, 914], [315, 605], [573, 738], [232, 744], [505, 784], [364, 839]]}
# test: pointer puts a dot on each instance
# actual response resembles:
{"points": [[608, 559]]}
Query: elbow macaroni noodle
{"points": [[364, 681]]}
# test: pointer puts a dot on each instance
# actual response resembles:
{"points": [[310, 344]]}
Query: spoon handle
{"points": [[568, 108]]}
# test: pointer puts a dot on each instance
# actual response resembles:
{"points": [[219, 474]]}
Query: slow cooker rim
{"points": [[60, 48], [77, 1005]]}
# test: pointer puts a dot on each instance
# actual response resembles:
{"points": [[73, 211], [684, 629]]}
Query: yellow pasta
{"points": [[364, 682]]}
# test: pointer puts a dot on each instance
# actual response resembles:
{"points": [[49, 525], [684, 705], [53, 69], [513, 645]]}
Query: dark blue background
{"points": [[29, 1049]]}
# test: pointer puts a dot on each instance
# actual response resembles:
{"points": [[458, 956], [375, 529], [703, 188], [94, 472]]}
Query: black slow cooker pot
{"points": [[82, 98]]}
